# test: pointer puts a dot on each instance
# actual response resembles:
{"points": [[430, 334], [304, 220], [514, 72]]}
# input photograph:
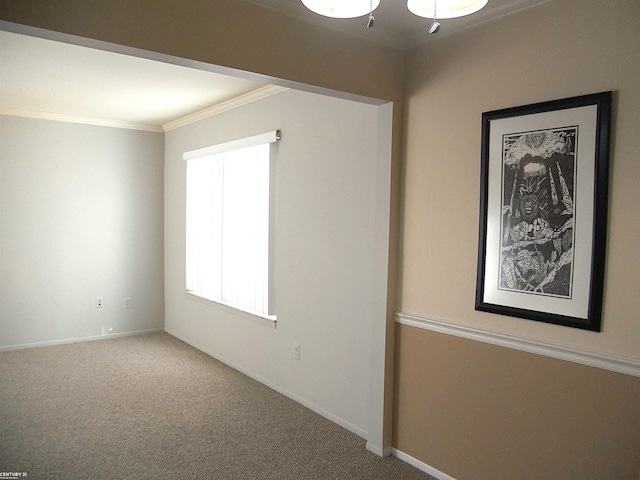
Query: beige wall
{"points": [[522, 59], [476, 411], [481, 412]]}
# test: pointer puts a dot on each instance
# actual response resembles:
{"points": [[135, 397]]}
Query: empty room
{"points": [[374, 345]]}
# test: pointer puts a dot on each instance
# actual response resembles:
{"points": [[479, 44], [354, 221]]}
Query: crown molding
{"points": [[239, 101], [236, 102], [59, 117]]}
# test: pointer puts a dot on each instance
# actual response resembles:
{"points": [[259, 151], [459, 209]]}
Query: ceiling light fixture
{"points": [[421, 8], [371, 20], [435, 26], [446, 8], [342, 8]]}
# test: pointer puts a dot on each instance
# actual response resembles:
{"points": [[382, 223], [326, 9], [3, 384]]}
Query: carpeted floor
{"points": [[152, 407]]}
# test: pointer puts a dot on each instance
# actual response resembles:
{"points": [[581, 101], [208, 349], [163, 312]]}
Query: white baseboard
{"points": [[381, 452], [328, 415], [65, 341], [420, 465]]}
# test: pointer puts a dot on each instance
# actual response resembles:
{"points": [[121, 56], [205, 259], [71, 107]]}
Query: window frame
{"points": [[271, 138]]}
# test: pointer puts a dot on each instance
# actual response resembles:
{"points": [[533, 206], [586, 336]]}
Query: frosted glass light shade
{"points": [[445, 8], [341, 8]]}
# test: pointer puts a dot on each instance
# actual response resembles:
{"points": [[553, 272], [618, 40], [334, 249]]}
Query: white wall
{"points": [[331, 251], [80, 217]]}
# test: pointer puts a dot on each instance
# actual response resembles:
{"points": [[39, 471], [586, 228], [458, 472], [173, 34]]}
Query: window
{"points": [[228, 224]]}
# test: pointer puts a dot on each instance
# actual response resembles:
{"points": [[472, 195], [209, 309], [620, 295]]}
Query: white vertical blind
{"points": [[228, 200]]}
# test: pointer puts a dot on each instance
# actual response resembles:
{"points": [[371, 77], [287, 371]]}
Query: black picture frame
{"points": [[543, 211]]}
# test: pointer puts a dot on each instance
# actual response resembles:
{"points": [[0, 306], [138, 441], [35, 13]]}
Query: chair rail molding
{"points": [[614, 363]]}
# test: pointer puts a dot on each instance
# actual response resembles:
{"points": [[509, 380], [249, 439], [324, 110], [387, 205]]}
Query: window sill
{"points": [[267, 320]]}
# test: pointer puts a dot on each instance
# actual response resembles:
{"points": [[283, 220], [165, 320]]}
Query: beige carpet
{"points": [[152, 407]]}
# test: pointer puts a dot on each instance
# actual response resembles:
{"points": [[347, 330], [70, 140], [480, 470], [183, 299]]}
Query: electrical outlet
{"points": [[99, 302], [127, 303], [296, 351]]}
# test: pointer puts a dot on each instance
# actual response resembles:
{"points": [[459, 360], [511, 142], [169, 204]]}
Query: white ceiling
{"points": [[75, 83], [40, 77]]}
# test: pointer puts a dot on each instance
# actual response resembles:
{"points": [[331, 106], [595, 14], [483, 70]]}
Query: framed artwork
{"points": [[543, 211]]}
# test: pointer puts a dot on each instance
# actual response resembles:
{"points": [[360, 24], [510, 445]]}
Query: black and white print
{"points": [[538, 212]]}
